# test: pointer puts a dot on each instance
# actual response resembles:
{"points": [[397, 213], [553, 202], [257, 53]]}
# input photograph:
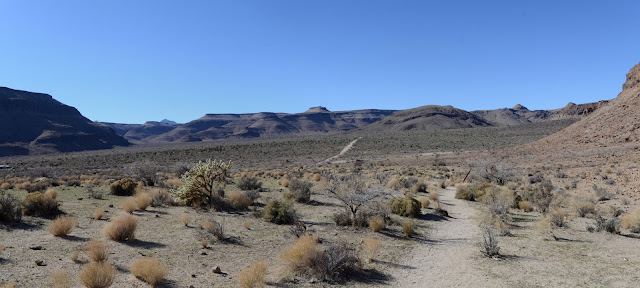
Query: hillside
{"points": [[35, 123], [429, 117], [519, 114]]}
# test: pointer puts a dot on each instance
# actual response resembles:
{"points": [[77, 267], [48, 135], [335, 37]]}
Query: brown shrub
{"points": [[631, 222], [253, 276], [8, 285], [96, 250], [121, 228], [239, 200], [123, 187], [247, 225], [407, 228], [424, 202], [5, 186], [185, 219], [285, 182], [376, 223], [62, 226], [51, 193], [433, 195], [129, 205], [97, 275], [525, 206], [59, 279], [149, 270], [75, 256], [143, 200], [317, 177], [301, 255], [38, 204], [370, 247], [98, 214]]}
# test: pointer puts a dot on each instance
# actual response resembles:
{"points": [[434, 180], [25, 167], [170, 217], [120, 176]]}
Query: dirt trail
{"points": [[344, 150], [449, 254]]}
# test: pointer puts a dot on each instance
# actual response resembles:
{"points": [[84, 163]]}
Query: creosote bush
{"points": [[97, 275], [279, 212], [40, 205], [62, 226], [123, 187], [121, 228], [149, 270], [254, 275], [249, 183], [407, 206], [10, 208], [301, 190]]}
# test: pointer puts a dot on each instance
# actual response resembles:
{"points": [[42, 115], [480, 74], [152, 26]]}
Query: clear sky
{"points": [[131, 61]]}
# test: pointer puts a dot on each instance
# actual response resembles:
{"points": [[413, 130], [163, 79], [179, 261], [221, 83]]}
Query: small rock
{"points": [[156, 215], [203, 252], [40, 263], [36, 247], [80, 198], [110, 205], [216, 270], [193, 275]]}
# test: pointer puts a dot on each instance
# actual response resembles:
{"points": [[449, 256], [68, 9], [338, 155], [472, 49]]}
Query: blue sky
{"points": [[133, 61]]}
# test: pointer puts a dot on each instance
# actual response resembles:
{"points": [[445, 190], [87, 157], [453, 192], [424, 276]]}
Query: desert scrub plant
{"points": [[40, 205], [558, 217], [98, 214], [249, 183], [184, 219], [51, 193], [149, 270], [279, 212], [239, 200], [300, 257], [10, 208], [254, 275], [129, 205], [611, 225], [631, 222], [123, 187], [96, 251], [490, 247], [62, 226], [583, 206], [97, 275], [419, 187], [407, 206], [376, 223], [59, 279], [424, 202], [143, 200], [307, 258], [160, 198], [215, 229], [465, 192], [351, 191], [5, 186], [121, 228], [370, 247], [301, 190], [525, 206], [408, 228], [198, 185]]}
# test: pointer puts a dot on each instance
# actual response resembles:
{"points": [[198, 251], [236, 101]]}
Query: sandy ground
{"points": [[344, 151], [449, 252]]}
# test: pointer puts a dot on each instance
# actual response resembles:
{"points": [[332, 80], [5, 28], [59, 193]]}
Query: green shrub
{"points": [[465, 192], [10, 208], [249, 183], [407, 206], [40, 205], [279, 212], [123, 187]]}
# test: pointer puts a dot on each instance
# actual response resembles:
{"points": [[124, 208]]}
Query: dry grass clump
{"points": [[424, 202], [185, 219], [51, 193], [38, 204], [5, 186], [98, 214], [149, 270], [376, 223], [239, 200], [254, 275], [143, 200], [370, 247], [75, 257], [407, 228], [247, 225], [161, 197], [525, 206], [631, 222], [121, 228], [317, 177], [96, 250], [97, 275], [285, 182], [62, 226], [301, 255], [59, 279], [433, 195], [215, 229], [419, 187], [583, 206], [8, 285], [129, 205]]}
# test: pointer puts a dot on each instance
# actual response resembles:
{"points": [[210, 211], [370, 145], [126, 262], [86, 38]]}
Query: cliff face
{"points": [[36, 121]]}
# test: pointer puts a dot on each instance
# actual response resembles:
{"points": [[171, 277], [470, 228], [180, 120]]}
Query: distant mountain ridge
{"points": [[37, 123]]}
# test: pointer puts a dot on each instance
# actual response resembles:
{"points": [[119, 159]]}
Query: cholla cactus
{"points": [[198, 184]]}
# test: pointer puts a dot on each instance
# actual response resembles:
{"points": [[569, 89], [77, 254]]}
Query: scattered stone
{"points": [[36, 247], [40, 263], [110, 205], [216, 270], [202, 252], [80, 198], [156, 215]]}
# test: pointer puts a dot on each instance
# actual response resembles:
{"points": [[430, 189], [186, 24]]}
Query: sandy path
{"points": [[344, 150], [449, 256]]}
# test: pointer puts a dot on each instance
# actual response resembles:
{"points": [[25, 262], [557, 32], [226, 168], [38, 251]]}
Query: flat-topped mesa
{"points": [[633, 78], [318, 109]]}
